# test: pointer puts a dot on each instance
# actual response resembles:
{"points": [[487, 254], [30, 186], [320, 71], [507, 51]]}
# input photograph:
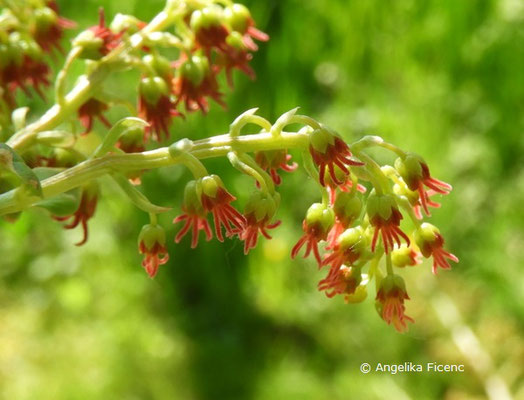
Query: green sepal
{"points": [[63, 204], [150, 235]]}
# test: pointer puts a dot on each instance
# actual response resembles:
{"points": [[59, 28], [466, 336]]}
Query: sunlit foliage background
{"points": [[443, 78]]}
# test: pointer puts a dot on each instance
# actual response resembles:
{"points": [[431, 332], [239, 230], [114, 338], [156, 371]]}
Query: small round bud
{"points": [[353, 239], [205, 18], [192, 198], [380, 205], [195, 69], [321, 217], [151, 89], [425, 237], [44, 18], [238, 17], [151, 236], [411, 169], [358, 296], [347, 207], [404, 256], [262, 205], [320, 139], [211, 184]]}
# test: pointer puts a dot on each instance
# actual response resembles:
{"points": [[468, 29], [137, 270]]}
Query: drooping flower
{"points": [[390, 302], [345, 280], [259, 211], [431, 242], [216, 199], [194, 215], [206, 195], [415, 172], [316, 226], [85, 211], [349, 247], [50, 26], [152, 244], [241, 21], [90, 110], [385, 217], [328, 151], [272, 160], [156, 107], [210, 31], [195, 81]]}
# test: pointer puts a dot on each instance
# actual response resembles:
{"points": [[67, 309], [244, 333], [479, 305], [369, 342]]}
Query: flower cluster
{"points": [[357, 223], [215, 39], [357, 231], [24, 45]]}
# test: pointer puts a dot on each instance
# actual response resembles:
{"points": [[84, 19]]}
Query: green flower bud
{"points": [[192, 203], [380, 205], [358, 296], [353, 239], [44, 18], [347, 207], [425, 236], [392, 282], [238, 17], [210, 185], [262, 205], [320, 216], [404, 256], [195, 70], [321, 138], [151, 89], [205, 18], [410, 168], [151, 236]]}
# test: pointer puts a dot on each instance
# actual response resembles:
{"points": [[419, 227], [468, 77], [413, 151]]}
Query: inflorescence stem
{"points": [[217, 146]]}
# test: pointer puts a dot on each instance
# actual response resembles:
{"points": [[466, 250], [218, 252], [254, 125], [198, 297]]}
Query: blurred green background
{"points": [[443, 78]]}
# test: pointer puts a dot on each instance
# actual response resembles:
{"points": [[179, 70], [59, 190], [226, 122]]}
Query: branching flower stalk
{"points": [[356, 231]]}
